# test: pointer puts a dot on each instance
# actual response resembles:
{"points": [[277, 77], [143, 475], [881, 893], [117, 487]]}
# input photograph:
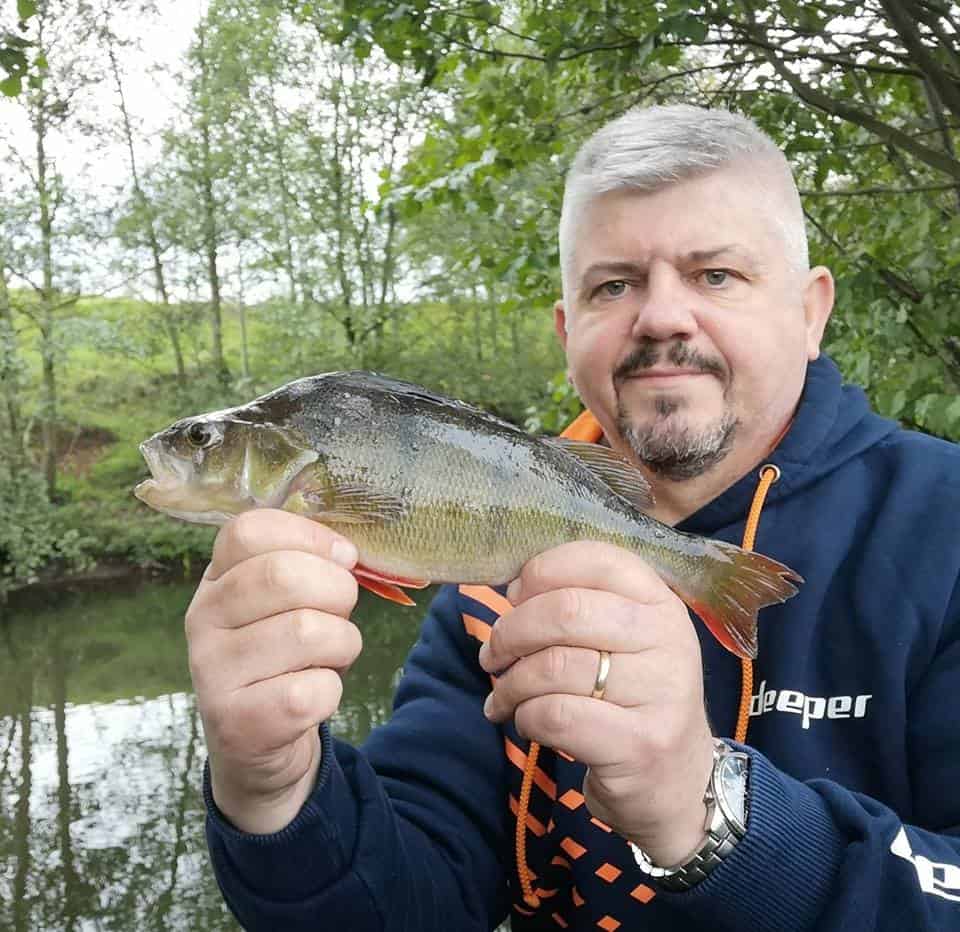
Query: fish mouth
{"points": [[166, 473]]}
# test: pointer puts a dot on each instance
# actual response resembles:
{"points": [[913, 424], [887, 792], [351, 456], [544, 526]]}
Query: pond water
{"points": [[101, 752]]}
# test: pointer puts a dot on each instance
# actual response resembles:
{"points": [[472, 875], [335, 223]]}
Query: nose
{"points": [[665, 312]]}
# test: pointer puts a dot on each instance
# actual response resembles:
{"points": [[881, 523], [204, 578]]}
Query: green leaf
{"points": [[692, 28], [11, 86], [26, 9]]}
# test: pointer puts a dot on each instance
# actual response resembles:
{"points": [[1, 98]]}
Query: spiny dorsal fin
{"points": [[611, 468]]}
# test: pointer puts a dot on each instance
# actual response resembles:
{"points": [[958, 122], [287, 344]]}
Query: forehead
{"points": [[697, 215]]}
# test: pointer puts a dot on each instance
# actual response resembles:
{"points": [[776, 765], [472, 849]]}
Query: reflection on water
{"points": [[101, 818]]}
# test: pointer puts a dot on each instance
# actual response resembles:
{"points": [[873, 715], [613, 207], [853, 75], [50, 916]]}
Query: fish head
{"points": [[209, 467]]}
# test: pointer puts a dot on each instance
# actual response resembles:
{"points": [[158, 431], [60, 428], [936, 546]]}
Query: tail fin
{"points": [[728, 592]]}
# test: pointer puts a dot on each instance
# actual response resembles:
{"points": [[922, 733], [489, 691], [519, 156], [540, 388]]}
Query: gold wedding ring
{"points": [[600, 686]]}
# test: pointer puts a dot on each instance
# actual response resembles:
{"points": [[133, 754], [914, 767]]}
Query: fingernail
{"points": [[488, 705], [513, 591], [344, 553], [481, 655]]}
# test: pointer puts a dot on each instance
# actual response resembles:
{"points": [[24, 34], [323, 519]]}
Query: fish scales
{"points": [[429, 488], [478, 505]]}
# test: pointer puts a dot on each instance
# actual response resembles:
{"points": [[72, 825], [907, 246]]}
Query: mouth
{"points": [[663, 376], [166, 474]]}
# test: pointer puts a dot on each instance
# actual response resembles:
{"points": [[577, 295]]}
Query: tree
{"points": [[143, 218], [49, 106], [863, 95]]}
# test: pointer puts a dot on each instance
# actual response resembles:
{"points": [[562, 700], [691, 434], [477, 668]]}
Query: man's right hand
{"points": [[269, 638]]}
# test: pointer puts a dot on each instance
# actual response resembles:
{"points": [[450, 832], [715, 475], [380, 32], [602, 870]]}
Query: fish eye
{"points": [[199, 435]]}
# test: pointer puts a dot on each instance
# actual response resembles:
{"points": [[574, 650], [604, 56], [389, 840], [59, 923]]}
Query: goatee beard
{"points": [[677, 453], [669, 450]]}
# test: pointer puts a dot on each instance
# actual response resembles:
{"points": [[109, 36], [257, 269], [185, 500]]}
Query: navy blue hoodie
{"points": [[854, 738]]}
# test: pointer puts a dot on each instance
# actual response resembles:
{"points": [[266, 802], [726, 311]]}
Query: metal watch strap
{"points": [[721, 839]]}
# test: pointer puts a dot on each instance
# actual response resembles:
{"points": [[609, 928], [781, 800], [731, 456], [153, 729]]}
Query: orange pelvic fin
{"points": [[386, 586]]}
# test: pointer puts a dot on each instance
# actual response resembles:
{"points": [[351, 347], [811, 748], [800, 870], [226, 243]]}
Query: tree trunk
{"points": [[150, 229], [244, 351], [9, 371], [47, 346], [494, 315], [210, 230], [285, 199]]}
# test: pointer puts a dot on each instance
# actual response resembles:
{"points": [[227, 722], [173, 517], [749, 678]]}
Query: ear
{"points": [[560, 323], [817, 305]]}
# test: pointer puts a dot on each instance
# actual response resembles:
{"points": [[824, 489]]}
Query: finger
{"points": [[266, 529], [570, 670], [598, 734], [270, 584], [273, 713], [576, 617], [589, 564], [284, 643]]}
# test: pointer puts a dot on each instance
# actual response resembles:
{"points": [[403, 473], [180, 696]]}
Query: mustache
{"points": [[680, 354]]}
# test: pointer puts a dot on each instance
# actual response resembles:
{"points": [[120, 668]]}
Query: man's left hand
{"points": [[646, 742]]}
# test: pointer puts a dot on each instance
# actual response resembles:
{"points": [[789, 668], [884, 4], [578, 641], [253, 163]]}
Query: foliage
{"points": [[14, 52], [863, 97], [32, 532], [132, 534], [551, 414], [371, 184]]}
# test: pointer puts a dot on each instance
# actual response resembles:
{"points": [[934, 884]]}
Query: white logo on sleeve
{"points": [[939, 879]]}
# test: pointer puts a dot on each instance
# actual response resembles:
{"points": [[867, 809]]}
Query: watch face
{"points": [[732, 789]]}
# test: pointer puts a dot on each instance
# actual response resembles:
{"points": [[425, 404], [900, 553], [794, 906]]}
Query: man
{"points": [[692, 326]]}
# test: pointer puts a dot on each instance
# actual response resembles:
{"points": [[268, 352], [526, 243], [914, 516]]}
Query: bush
{"points": [[129, 532], [31, 536]]}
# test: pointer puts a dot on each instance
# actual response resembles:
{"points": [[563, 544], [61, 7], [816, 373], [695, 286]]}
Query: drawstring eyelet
{"points": [[768, 468]]}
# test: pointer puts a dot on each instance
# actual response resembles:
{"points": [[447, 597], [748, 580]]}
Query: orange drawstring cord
{"points": [[523, 807], [585, 427], [768, 475]]}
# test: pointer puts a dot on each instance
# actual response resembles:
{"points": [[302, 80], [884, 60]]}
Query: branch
{"points": [[898, 284], [528, 56], [931, 16], [840, 60], [654, 82], [816, 98], [944, 83], [870, 192]]}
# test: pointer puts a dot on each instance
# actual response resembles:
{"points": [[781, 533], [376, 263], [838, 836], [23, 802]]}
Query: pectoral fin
{"points": [[345, 504], [611, 468]]}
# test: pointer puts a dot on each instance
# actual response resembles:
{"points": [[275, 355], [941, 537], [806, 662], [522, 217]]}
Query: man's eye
{"points": [[613, 289], [715, 277]]}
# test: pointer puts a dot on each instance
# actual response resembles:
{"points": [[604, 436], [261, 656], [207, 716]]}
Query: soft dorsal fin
{"points": [[611, 468]]}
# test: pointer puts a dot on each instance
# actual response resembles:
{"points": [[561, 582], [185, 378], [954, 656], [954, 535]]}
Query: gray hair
{"points": [[649, 148]]}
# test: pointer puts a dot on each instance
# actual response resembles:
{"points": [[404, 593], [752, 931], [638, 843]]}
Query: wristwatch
{"points": [[726, 823]]}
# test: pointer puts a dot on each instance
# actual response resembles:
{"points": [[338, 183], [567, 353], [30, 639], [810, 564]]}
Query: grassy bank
{"points": [[117, 384]]}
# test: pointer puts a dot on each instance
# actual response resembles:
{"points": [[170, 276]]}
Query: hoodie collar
{"points": [[833, 423]]}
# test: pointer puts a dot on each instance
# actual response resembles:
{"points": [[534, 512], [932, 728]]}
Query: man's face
{"points": [[687, 331]]}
